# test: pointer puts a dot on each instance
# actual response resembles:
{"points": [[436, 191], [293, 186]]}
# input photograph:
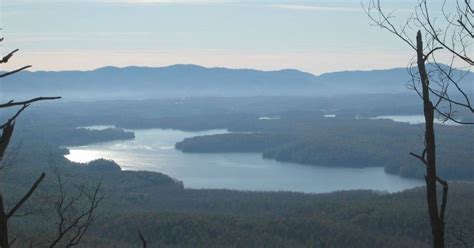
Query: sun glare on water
{"points": [[82, 156]]}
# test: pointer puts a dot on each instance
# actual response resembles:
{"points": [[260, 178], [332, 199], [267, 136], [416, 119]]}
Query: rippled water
{"points": [[153, 150]]}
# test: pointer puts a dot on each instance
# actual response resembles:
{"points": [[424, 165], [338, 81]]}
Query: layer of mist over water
{"points": [[153, 150]]}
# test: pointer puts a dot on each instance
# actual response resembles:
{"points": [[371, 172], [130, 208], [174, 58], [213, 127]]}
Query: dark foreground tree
{"points": [[7, 131], [74, 211], [443, 87]]}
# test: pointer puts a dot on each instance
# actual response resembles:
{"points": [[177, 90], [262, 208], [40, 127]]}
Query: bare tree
{"points": [[6, 215], [75, 211], [7, 131], [440, 86]]}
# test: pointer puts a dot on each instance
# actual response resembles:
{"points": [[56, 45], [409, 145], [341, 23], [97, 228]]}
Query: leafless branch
{"points": [[37, 99], [427, 23], [141, 238], [378, 16], [449, 117], [421, 158], [10, 157], [6, 74], [12, 119], [444, 198], [73, 224], [8, 56], [12, 241], [432, 51], [26, 196], [7, 131]]}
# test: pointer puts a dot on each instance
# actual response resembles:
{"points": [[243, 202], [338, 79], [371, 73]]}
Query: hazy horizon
{"points": [[310, 36], [236, 123], [32, 69]]}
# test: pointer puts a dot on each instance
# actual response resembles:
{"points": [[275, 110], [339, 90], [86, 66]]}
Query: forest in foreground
{"points": [[169, 215]]}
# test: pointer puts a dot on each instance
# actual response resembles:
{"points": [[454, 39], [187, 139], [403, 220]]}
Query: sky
{"points": [[313, 36]]}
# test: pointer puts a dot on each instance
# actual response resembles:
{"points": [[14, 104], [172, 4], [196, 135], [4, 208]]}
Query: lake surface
{"points": [[153, 150], [414, 119]]}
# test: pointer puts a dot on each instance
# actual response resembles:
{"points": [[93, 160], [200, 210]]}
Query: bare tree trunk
{"points": [[6, 134], [437, 225], [3, 226]]}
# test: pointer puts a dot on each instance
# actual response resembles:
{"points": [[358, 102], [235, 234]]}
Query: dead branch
{"points": [[37, 99], [26, 196], [141, 238], [72, 225], [6, 74], [8, 56]]}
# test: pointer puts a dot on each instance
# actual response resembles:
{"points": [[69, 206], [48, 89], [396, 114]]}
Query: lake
{"points": [[153, 150], [414, 119]]}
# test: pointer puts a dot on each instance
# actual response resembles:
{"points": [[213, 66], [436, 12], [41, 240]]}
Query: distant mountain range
{"points": [[192, 80]]}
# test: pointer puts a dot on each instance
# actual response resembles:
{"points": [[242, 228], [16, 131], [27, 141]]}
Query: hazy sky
{"points": [[314, 36]]}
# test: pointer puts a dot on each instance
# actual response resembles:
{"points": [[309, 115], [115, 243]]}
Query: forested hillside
{"points": [[344, 143], [300, 133], [192, 80], [170, 215]]}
